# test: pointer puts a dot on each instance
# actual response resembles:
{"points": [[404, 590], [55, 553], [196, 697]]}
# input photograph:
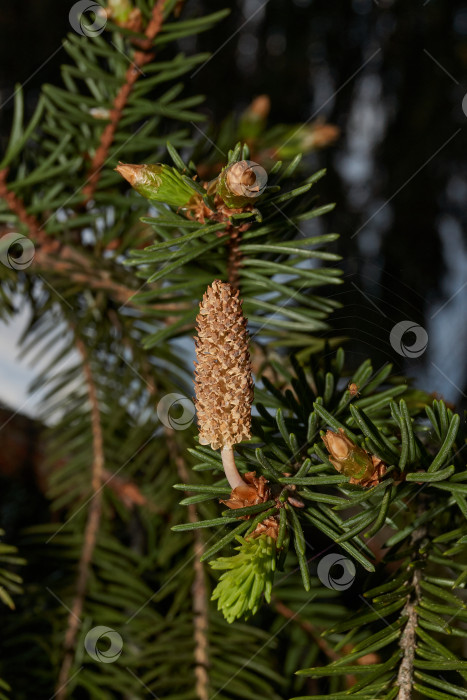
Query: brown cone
{"points": [[223, 384]]}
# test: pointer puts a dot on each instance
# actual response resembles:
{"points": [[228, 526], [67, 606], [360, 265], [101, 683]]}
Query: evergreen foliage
{"points": [[114, 289]]}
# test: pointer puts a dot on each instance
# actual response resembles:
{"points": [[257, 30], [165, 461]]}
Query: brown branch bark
{"points": [[93, 278], [307, 626], [128, 492], [408, 638], [199, 590], [46, 249], [407, 644], [16, 205], [66, 264], [70, 263], [140, 59], [234, 254], [90, 532], [234, 257]]}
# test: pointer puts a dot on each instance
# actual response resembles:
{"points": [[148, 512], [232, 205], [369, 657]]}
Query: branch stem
{"points": [[408, 638], [306, 625], [230, 469], [199, 589], [407, 644], [91, 530], [140, 59]]}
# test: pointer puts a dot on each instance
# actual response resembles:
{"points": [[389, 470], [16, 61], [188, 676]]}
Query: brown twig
{"points": [[128, 492], [71, 263], [93, 278], [91, 529], [16, 205], [199, 591], [407, 644], [234, 258], [408, 638], [307, 626], [140, 59]]}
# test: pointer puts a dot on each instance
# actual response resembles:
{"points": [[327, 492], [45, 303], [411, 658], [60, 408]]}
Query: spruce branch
{"points": [[234, 259], [199, 589], [140, 58], [91, 529], [17, 207], [128, 492], [306, 626], [89, 277], [71, 263], [408, 638]]}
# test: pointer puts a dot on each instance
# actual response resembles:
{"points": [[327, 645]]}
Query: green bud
{"points": [[305, 138], [246, 577], [159, 182], [120, 10]]}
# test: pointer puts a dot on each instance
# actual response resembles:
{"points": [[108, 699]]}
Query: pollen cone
{"points": [[223, 384]]}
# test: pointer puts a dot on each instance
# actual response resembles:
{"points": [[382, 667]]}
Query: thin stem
{"points": [[307, 626], [140, 59], [231, 471], [407, 644], [408, 639], [198, 590], [91, 529]]}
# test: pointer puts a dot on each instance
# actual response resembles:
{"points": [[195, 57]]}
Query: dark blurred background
{"points": [[392, 76]]}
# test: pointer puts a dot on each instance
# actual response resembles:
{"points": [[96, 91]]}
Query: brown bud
{"points": [[353, 461], [260, 107], [223, 384], [255, 490], [338, 445], [323, 135]]}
